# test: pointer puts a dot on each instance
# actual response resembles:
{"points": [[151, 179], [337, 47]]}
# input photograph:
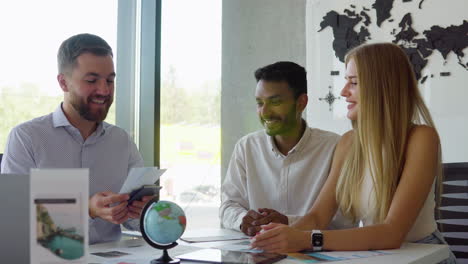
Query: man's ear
{"points": [[301, 102], [62, 82]]}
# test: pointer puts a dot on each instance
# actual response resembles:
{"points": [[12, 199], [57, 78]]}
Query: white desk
{"points": [[408, 253]]}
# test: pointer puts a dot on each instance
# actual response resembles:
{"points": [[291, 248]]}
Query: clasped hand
{"points": [[253, 220], [114, 207]]}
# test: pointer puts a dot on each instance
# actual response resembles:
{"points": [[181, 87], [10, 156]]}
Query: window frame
{"points": [[138, 73]]}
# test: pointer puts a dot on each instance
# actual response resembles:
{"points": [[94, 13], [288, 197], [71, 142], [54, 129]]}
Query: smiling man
{"points": [[76, 136], [276, 174]]}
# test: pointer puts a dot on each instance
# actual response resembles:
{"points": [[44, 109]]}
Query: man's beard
{"points": [[85, 110]]}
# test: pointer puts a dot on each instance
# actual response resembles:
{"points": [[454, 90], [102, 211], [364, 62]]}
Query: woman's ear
{"points": [[62, 82]]}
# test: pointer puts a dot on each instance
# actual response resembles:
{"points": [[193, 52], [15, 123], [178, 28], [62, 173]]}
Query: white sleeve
{"points": [[234, 196], [293, 218]]}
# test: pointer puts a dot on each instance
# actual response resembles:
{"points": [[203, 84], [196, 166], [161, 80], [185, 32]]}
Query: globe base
{"points": [[165, 259], [172, 261]]}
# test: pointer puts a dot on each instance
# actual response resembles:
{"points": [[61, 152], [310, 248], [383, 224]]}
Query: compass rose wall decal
{"points": [[330, 98]]}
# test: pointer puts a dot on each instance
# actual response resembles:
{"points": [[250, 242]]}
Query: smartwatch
{"points": [[317, 240]]}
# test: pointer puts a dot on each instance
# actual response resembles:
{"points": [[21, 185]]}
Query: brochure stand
{"points": [[59, 216]]}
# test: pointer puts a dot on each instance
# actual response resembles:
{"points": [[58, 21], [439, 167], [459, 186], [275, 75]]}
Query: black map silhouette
{"points": [[418, 47]]}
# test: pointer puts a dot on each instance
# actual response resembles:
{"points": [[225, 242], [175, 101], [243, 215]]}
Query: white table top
{"points": [[408, 253]]}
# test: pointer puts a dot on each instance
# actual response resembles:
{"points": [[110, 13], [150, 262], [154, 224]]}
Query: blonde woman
{"points": [[384, 170]]}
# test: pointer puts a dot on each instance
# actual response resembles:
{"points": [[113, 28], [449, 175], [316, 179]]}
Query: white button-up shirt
{"points": [[259, 176], [52, 142]]}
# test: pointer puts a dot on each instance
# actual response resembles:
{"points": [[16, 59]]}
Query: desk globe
{"points": [[161, 224]]}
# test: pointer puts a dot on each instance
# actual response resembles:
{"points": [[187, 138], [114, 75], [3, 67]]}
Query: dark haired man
{"points": [[76, 136], [276, 174]]}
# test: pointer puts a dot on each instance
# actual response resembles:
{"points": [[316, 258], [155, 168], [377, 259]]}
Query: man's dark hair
{"points": [[76, 45], [290, 72]]}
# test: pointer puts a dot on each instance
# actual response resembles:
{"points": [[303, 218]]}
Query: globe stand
{"points": [[165, 258]]}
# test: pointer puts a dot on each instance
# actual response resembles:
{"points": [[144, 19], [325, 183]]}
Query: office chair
{"points": [[452, 215]]}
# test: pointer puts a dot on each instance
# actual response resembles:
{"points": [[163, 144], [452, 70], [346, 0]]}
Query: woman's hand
{"points": [[280, 238]]}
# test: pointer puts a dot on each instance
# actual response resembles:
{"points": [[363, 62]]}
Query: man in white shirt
{"points": [[276, 174]]}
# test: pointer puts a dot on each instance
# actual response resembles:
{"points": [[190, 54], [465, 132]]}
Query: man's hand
{"points": [[252, 221], [135, 208], [270, 216], [247, 227], [101, 205]]}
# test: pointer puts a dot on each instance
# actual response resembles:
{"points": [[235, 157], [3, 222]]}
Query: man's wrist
{"points": [[238, 222]]}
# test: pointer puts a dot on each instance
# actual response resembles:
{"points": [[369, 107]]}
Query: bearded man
{"points": [[76, 136]]}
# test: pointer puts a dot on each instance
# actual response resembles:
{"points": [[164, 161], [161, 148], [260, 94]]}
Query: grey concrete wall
{"points": [[254, 33]]}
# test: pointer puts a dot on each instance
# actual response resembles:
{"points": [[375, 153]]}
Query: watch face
{"points": [[317, 240]]}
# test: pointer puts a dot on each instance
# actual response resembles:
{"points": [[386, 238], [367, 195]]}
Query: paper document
{"points": [[131, 233], [135, 253], [138, 177], [214, 238], [325, 256], [243, 246]]}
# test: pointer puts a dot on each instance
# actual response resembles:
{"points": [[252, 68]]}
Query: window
{"points": [[190, 108], [190, 73], [32, 32]]}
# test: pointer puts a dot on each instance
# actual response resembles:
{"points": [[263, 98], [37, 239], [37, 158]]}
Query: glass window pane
{"points": [[190, 108], [32, 32]]}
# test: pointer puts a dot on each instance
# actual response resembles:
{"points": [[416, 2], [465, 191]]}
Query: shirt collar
{"points": [[60, 120], [299, 146]]}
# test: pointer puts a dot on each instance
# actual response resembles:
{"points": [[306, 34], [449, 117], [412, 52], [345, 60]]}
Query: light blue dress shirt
{"points": [[52, 142]]}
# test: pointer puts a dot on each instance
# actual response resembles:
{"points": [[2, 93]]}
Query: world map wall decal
{"points": [[434, 35], [418, 46]]}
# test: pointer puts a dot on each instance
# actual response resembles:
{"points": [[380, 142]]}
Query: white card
{"points": [[59, 216], [138, 177]]}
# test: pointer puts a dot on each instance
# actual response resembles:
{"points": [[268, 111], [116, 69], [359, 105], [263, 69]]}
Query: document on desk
{"points": [[136, 253], [326, 256], [138, 177], [214, 238], [308, 257], [243, 246]]}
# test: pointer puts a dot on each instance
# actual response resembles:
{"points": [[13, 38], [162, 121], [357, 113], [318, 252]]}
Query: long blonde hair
{"points": [[389, 106]]}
